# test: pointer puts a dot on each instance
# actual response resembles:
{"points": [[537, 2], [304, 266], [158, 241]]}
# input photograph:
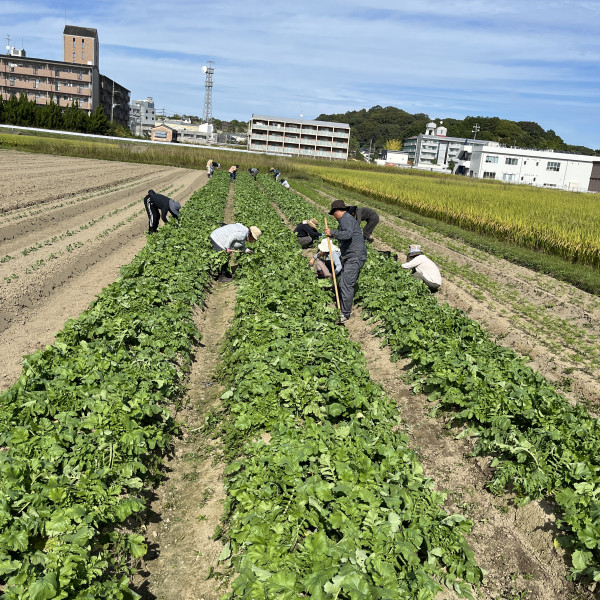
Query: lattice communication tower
{"points": [[208, 70]]}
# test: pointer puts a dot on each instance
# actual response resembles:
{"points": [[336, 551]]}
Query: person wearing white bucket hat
{"points": [[322, 260], [423, 268]]}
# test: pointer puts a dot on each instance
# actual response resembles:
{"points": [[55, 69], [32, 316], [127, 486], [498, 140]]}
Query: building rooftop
{"points": [[80, 31], [299, 121]]}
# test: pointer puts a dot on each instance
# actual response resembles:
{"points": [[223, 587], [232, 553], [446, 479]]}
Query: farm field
{"points": [[513, 544], [67, 226]]}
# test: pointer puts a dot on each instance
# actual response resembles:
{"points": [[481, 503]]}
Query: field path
{"points": [[67, 227]]}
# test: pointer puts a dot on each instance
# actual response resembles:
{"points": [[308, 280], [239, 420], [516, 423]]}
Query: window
{"points": [[36, 84], [12, 68], [35, 70], [82, 55], [509, 177], [79, 75], [489, 174], [491, 159], [11, 81], [83, 43], [73, 54], [56, 73], [73, 42], [553, 166], [57, 86], [512, 161]]}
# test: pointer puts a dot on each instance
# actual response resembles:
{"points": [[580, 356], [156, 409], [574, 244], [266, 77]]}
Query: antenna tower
{"points": [[208, 70]]}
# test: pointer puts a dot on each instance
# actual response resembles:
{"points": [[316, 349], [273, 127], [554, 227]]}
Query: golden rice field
{"points": [[566, 224]]}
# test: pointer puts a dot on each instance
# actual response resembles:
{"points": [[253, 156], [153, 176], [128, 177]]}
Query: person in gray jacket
{"points": [[354, 254], [233, 238], [362, 213], [157, 202]]}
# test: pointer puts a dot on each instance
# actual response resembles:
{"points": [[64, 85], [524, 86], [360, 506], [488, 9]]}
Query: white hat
{"points": [[414, 249], [324, 246]]}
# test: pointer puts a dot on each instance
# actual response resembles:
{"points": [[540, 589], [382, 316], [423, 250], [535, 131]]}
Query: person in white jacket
{"points": [[423, 268], [233, 238]]}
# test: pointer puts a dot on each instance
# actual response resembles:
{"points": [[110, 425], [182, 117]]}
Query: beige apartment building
{"points": [[75, 78], [297, 137]]}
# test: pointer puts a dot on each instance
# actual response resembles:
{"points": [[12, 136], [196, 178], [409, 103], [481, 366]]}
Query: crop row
{"points": [[324, 496], [86, 425], [561, 223], [542, 447]]}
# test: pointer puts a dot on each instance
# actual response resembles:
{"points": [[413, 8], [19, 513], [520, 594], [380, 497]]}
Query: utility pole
{"points": [[475, 129], [370, 146], [112, 103]]}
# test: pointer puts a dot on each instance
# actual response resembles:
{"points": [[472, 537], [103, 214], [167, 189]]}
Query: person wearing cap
{"points": [[307, 232], [253, 172], [233, 238], [157, 202], [233, 172], [423, 268], [362, 213], [275, 173], [353, 251], [322, 260]]}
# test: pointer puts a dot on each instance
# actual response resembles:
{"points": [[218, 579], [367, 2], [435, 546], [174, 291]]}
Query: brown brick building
{"points": [[76, 78]]}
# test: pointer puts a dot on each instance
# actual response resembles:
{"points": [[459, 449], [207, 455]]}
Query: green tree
{"points": [[50, 116], [99, 124], [75, 119]]}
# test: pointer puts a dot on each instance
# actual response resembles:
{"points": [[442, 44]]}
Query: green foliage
{"points": [[334, 504], [381, 124]]}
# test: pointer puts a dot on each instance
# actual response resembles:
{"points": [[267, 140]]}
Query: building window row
{"points": [[553, 166], [511, 161], [491, 159], [489, 174]]}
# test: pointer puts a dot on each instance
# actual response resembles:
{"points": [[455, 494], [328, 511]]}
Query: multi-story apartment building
{"points": [[434, 149], [542, 168], [142, 116], [297, 137], [75, 78]]}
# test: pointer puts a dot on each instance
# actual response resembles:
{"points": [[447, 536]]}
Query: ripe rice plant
{"points": [[564, 224]]}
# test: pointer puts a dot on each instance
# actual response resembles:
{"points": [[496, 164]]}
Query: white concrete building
{"points": [[297, 137], [542, 168], [393, 158], [433, 150], [142, 117]]}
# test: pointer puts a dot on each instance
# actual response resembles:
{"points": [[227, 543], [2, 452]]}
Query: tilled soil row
{"points": [[505, 298]]}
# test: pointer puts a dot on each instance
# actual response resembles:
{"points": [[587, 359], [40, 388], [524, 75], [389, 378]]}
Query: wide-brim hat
{"points": [[338, 205], [313, 222], [324, 246], [174, 207], [255, 231]]}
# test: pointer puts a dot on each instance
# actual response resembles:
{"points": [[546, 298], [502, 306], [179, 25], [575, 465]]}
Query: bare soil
{"points": [[67, 227]]}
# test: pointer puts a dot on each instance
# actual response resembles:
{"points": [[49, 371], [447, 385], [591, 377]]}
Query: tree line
{"points": [[26, 113], [378, 126]]}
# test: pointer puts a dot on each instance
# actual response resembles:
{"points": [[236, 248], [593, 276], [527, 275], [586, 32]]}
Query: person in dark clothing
{"points": [[354, 254], [307, 232], [362, 213], [157, 202], [253, 172]]}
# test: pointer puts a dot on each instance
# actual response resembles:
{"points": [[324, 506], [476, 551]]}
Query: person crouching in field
{"points": [[423, 268], [322, 260], [157, 202], [307, 232], [233, 238]]}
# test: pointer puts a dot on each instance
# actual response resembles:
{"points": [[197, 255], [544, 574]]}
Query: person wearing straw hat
{"points": [[233, 238], [353, 251], [423, 268], [307, 232], [322, 261]]}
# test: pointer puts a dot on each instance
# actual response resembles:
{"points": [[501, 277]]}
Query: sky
{"points": [[523, 60]]}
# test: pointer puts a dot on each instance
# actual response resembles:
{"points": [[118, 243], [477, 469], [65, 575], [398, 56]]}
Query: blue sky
{"points": [[524, 60]]}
